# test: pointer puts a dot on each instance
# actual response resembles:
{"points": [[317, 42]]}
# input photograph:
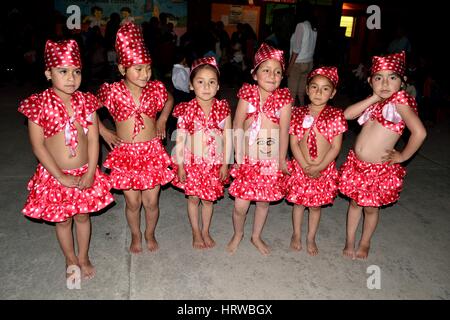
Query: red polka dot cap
{"points": [[130, 46], [205, 60], [395, 62], [266, 52], [61, 54], [328, 72]]}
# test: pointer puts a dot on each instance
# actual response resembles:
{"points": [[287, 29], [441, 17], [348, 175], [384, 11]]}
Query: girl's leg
{"points": [[239, 214], [371, 215], [207, 212], [262, 209], [353, 217], [65, 239], [150, 201], [133, 200], [83, 226], [313, 225], [297, 218], [197, 239]]}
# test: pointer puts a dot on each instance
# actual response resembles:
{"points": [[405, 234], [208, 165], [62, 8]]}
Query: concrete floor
{"points": [[411, 245]]}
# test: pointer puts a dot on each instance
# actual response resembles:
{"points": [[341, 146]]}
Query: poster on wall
{"points": [[231, 15], [141, 10]]}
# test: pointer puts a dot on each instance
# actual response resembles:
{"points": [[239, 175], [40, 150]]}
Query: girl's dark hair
{"points": [[204, 66]]}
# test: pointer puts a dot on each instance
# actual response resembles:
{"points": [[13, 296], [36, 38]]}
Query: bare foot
{"points": [[311, 247], [349, 250], [152, 244], [197, 241], [87, 270], [363, 251], [296, 243], [209, 242], [136, 243], [261, 246], [234, 243]]}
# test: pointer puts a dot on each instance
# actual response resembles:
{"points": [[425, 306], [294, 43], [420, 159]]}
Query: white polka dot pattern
{"points": [[61, 54], [130, 46], [205, 60], [370, 184], [51, 201], [375, 112], [329, 123], [312, 192], [329, 72], [277, 100], [117, 98], [395, 62], [47, 110], [266, 52]]}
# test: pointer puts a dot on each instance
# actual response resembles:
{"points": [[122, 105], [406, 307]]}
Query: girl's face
{"points": [[65, 80], [320, 90], [385, 83], [269, 75], [205, 84], [138, 74]]}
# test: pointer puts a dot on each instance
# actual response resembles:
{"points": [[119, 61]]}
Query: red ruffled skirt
{"points": [[51, 201], [370, 184], [139, 165], [310, 192], [258, 180], [202, 177]]}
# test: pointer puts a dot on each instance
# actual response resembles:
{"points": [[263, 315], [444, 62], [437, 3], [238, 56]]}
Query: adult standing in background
{"points": [[303, 44]]}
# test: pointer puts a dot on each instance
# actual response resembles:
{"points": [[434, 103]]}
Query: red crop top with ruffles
{"points": [[47, 110], [192, 118], [329, 123], [385, 112], [119, 101]]}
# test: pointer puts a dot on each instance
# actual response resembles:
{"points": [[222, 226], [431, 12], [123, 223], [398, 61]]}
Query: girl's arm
{"points": [[355, 110], [314, 170], [297, 152], [87, 179], [110, 136], [228, 148], [285, 120], [238, 130], [179, 153], [418, 134], [162, 119], [36, 134]]}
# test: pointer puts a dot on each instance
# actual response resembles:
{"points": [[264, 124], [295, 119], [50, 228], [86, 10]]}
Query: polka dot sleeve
{"points": [[105, 97], [91, 103], [32, 108]]}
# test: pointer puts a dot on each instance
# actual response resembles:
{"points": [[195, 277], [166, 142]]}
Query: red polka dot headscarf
{"points": [[130, 46], [206, 60], [328, 72], [395, 62], [62, 54], [266, 52]]}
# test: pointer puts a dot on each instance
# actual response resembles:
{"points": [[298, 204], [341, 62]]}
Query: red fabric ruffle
{"points": [[51, 201], [202, 178], [258, 180], [139, 166], [309, 192], [370, 184]]}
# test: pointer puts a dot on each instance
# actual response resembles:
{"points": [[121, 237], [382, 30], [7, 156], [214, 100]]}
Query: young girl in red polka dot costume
{"points": [[139, 163], [261, 129], [372, 175], [204, 142], [316, 138], [63, 130]]}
